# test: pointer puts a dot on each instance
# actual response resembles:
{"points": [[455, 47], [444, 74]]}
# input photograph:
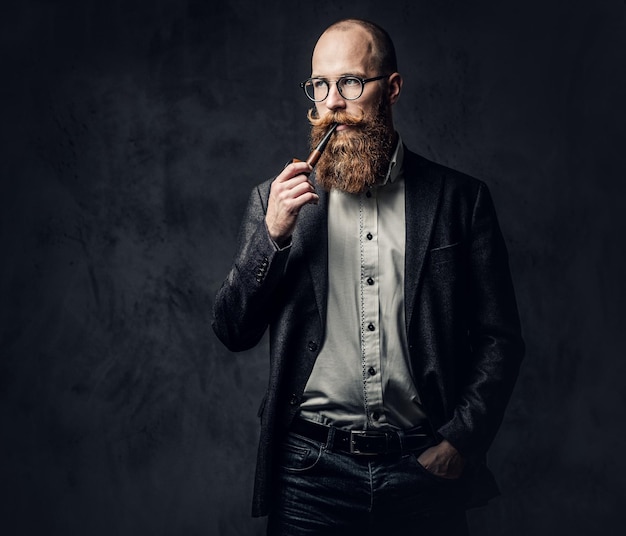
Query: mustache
{"points": [[339, 117]]}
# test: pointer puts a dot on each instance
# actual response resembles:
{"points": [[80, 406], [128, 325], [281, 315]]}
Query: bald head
{"points": [[376, 43]]}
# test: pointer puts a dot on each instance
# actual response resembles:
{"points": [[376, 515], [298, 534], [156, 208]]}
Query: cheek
{"points": [[362, 110], [365, 105]]}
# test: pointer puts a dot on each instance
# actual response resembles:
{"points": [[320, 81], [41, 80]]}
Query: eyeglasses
{"points": [[349, 87]]}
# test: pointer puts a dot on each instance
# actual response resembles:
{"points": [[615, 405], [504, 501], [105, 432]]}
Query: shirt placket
{"points": [[370, 309]]}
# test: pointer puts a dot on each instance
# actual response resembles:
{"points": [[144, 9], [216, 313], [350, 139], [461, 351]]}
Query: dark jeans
{"points": [[331, 493]]}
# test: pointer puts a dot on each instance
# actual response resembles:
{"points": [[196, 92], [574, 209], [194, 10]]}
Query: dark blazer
{"points": [[462, 323]]}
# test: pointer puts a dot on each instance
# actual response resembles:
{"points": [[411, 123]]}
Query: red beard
{"points": [[357, 158]]}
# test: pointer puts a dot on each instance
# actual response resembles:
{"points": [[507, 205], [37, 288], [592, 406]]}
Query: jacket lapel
{"points": [[312, 232], [423, 189]]}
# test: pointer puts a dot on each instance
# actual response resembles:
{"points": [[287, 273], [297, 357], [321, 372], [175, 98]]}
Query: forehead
{"points": [[343, 51]]}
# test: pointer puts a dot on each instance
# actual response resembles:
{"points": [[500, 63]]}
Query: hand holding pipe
{"points": [[281, 223]]}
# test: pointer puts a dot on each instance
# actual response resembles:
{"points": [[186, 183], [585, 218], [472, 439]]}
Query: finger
{"points": [[298, 187], [291, 208], [309, 198], [286, 188], [293, 199], [292, 170], [425, 456]]}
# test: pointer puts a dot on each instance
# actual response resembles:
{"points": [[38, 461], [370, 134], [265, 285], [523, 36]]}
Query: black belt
{"points": [[365, 442]]}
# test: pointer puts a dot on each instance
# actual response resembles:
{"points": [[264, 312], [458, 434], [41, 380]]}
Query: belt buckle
{"points": [[364, 433]]}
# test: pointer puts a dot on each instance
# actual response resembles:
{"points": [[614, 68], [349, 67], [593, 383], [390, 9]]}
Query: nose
{"points": [[334, 101]]}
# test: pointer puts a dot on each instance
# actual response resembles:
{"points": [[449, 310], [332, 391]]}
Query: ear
{"points": [[394, 87]]}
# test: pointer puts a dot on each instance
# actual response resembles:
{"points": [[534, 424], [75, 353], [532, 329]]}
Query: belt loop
{"points": [[401, 439], [330, 438]]}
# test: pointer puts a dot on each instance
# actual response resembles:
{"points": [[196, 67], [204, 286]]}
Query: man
{"points": [[394, 334]]}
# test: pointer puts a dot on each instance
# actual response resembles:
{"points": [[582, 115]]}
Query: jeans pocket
{"points": [[433, 476], [298, 455]]}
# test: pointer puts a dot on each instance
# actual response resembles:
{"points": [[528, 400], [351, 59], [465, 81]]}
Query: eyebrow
{"points": [[357, 74]]}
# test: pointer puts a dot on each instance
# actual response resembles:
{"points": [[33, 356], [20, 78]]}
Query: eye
{"points": [[318, 83], [351, 81]]}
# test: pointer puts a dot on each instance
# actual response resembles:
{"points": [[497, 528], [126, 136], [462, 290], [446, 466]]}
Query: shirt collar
{"points": [[395, 166]]}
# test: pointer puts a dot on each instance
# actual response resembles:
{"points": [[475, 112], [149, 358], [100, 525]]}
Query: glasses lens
{"points": [[350, 87], [316, 89]]}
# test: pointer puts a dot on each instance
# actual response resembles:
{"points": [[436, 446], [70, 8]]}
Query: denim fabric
{"points": [[320, 492]]}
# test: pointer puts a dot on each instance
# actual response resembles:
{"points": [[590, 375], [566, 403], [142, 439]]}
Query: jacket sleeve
{"points": [[241, 311], [494, 333]]}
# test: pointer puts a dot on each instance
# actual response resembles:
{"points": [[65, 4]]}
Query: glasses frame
{"points": [[329, 82]]}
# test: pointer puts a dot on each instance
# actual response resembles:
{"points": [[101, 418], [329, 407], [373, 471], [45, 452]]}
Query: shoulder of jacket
{"points": [[416, 164]]}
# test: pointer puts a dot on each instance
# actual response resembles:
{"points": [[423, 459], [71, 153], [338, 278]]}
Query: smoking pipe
{"points": [[317, 152]]}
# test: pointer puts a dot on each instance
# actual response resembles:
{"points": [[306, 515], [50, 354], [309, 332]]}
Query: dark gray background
{"points": [[132, 132]]}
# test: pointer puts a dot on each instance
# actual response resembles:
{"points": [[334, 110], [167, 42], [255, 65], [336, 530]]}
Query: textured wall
{"points": [[132, 132]]}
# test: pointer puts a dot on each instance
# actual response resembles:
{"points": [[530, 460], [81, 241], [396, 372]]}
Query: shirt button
{"points": [[372, 371], [312, 346], [375, 416], [293, 400], [371, 327], [368, 194], [369, 236], [370, 281]]}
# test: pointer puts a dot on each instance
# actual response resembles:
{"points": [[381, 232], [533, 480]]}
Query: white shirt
{"points": [[362, 378]]}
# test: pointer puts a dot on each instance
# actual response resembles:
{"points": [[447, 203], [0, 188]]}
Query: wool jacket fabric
{"points": [[462, 323]]}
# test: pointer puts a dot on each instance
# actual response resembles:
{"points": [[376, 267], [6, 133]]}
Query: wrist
{"points": [[281, 242]]}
